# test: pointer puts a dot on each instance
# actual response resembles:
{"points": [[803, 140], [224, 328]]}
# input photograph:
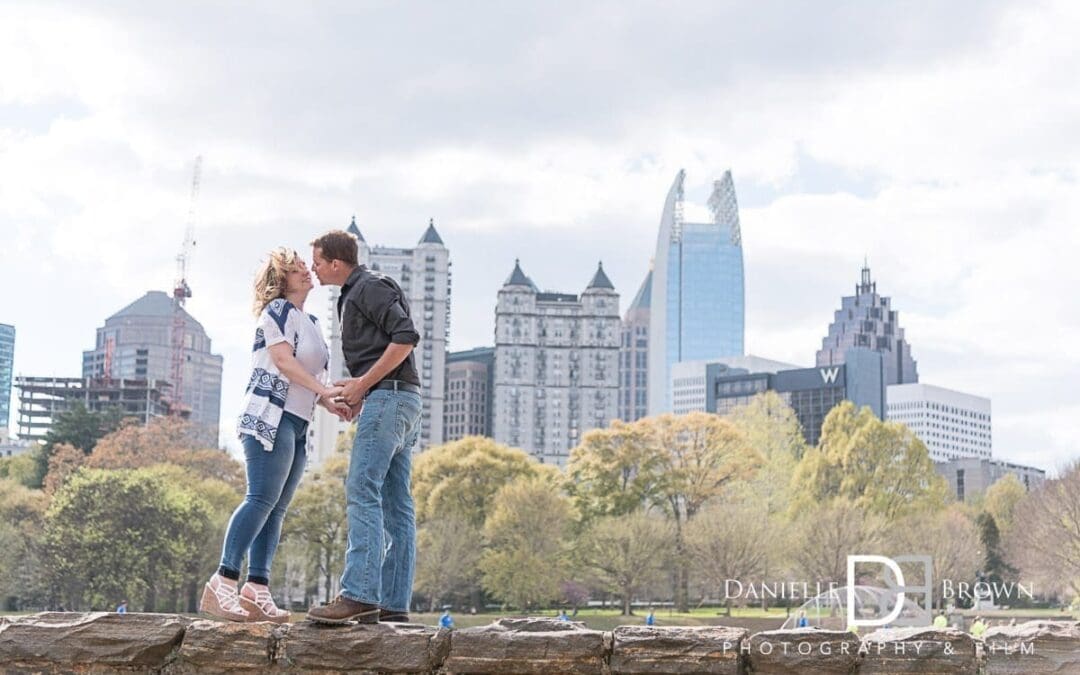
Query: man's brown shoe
{"points": [[393, 617], [343, 610]]}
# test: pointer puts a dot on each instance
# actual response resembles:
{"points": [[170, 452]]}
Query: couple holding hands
{"points": [[289, 373]]}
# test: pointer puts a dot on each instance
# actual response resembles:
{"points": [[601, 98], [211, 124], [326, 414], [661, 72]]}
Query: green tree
{"points": [[623, 554], [675, 463], [527, 536], [21, 468], [78, 427], [22, 512], [460, 478], [451, 549], [122, 534], [1001, 498], [318, 521], [878, 466]]}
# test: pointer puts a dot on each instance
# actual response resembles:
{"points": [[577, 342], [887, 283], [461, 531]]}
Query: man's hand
{"points": [[353, 391], [329, 399]]}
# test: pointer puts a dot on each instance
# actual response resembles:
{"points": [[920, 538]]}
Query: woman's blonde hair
{"points": [[270, 281]]}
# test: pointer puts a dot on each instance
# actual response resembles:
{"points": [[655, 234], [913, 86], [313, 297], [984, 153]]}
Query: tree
{"points": [[825, 534], [949, 537], [613, 471], [317, 519], [1001, 498], [78, 427], [879, 466], [725, 542], [460, 478], [22, 512], [625, 553], [771, 426], [64, 461], [22, 468], [527, 538], [451, 549], [675, 463], [117, 534], [1045, 536]]}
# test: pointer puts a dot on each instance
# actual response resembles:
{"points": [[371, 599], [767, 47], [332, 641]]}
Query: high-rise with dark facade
{"points": [[697, 306], [867, 320], [811, 392], [634, 356], [470, 392], [136, 344]]}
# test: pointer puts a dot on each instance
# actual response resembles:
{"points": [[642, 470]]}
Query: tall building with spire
{"points": [[556, 364], [698, 299], [423, 272], [634, 355], [868, 320]]}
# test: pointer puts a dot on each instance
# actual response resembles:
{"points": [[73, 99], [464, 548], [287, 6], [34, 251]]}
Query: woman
{"points": [[289, 370]]}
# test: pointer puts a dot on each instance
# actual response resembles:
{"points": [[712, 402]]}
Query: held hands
{"points": [[330, 399], [353, 391]]}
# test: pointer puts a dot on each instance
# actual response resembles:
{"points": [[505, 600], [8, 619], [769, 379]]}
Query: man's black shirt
{"points": [[374, 313]]}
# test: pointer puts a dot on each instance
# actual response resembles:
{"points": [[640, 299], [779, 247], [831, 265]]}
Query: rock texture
{"points": [[803, 651], [165, 644], [704, 649], [918, 650], [527, 646], [1032, 647]]}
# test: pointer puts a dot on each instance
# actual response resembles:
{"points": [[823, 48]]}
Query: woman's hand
{"points": [[327, 400]]}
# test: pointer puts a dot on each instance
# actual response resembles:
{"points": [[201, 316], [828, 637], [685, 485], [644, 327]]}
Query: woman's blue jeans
{"points": [[272, 478]]}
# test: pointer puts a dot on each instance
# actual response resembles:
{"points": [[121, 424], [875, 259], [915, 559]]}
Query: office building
{"points": [[969, 477], [950, 423], [867, 320], [136, 344], [634, 356], [689, 389], [811, 392], [556, 364], [470, 389], [697, 304], [7, 365]]}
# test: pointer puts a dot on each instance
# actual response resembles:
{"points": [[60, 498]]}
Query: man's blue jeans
{"points": [[381, 556], [272, 478]]}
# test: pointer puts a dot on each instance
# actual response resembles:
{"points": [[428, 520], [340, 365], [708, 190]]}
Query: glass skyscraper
{"points": [[7, 362], [698, 299]]}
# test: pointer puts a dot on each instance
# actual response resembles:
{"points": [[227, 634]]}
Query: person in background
{"points": [[802, 622], [446, 621], [940, 621], [122, 607], [562, 615], [650, 618], [978, 628]]}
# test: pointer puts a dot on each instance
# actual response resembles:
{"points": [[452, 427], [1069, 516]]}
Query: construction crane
{"points": [[181, 292]]}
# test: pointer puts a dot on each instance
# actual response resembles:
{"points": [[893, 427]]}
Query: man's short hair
{"points": [[337, 245]]}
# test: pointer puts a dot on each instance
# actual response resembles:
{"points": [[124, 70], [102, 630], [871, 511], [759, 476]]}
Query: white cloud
{"points": [[940, 143]]}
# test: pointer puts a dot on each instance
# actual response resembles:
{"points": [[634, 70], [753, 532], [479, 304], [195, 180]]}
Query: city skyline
{"points": [[526, 136]]}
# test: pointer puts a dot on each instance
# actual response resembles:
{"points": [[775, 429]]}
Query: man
{"points": [[377, 338]]}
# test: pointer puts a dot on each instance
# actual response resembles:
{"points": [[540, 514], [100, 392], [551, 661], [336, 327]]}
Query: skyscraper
{"points": [[697, 308], [7, 363], [136, 344], [634, 356], [868, 320], [423, 272], [470, 392], [556, 364]]}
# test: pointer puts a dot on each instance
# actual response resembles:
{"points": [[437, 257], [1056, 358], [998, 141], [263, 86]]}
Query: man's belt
{"points": [[397, 385]]}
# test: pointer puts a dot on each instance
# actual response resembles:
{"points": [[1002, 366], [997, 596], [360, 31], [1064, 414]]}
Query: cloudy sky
{"points": [[939, 139]]}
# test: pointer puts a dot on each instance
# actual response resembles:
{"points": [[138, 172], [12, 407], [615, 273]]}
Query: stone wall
{"points": [[55, 642]]}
